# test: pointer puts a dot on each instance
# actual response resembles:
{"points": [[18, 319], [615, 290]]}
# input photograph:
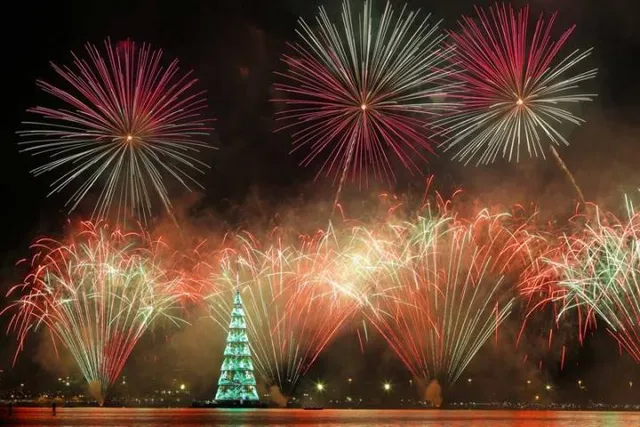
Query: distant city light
{"points": [[320, 386], [387, 386]]}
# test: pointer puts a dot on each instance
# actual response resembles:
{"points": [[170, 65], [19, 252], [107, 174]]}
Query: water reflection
{"points": [[325, 418]]}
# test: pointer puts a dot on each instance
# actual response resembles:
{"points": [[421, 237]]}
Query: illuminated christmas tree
{"points": [[237, 382]]}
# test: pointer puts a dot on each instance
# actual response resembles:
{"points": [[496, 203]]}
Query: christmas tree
{"points": [[237, 382]]}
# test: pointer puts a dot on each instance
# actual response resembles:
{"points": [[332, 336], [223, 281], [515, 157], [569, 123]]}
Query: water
{"points": [[326, 418]]}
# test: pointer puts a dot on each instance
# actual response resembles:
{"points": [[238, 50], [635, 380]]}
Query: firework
{"points": [[296, 298], [355, 92], [516, 89], [600, 273], [124, 125], [447, 294], [543, 300], [97, 294]]}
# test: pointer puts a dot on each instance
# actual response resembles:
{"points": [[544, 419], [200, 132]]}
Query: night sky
{"points": [[234, 46]]}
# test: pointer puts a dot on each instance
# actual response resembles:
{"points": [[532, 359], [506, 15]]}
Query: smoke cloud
{"points": [[277, 397], [94, 389], [433, 394]]}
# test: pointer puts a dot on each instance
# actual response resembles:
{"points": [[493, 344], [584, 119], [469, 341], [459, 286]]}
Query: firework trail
{"points": [[570, 176], [448, 294], [125, 124], [516, 89], [600, 273], [356, 91], [296, 298], [97, 294]]}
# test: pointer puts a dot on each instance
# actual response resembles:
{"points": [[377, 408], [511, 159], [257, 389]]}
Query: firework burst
{"points": [[447, 294], [543, 301], [600, 273], [127, 124], [296, 296], [358, 91], [97, 295], [515, 89]]}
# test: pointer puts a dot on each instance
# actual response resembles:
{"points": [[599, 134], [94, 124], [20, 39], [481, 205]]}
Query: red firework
{"points": [[552, 317], [445, 293], [126, 122], [357, 93], [284, 288], [515, 90], [97, 292]]}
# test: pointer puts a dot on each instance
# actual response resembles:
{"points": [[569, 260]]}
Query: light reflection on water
{"points": [[326, 418]]}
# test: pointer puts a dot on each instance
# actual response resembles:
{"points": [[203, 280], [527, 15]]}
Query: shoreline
{"points": [[609, 408]]}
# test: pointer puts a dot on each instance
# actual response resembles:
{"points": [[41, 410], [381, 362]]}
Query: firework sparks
{"points": [[352, 94], [448, 294], [128, 124], [296, 296], [544, 300], [600, 274], [97, 295], [515, 89]]}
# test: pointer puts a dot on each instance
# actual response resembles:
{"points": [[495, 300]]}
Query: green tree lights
{"points": [[237, 382]]}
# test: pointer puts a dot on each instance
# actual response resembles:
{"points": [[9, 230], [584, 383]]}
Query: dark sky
{"points": [[219, 38]]}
